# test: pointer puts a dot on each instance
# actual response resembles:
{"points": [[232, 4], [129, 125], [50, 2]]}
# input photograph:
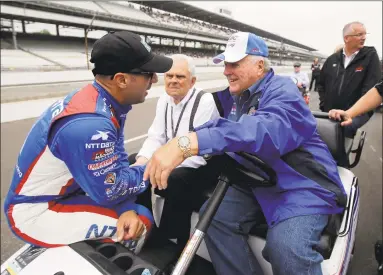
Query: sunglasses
{"points": [[149, 75]]}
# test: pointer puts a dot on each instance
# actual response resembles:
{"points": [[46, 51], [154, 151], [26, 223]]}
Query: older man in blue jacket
{"points": [[273, 122]]}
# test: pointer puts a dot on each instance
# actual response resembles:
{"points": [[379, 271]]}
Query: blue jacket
{"points": [[276, 125], [78, 144]]}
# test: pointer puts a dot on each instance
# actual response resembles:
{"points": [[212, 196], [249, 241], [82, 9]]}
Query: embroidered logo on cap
{"points": [[143, 42], [232, 40]]}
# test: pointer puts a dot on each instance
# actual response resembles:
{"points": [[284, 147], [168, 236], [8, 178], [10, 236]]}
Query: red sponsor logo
{"points": [[102, 164], [359, 69], [103, 153]]}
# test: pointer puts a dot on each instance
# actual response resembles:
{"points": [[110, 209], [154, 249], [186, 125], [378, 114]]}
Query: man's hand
{"points": [[339, 115], [300, 84], [129, 226], [162, 163], [140, 161], [165, 159]]}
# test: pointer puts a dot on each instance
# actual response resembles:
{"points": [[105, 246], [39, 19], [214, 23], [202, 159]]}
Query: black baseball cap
{"points": [[125, 52], [297, 64]]}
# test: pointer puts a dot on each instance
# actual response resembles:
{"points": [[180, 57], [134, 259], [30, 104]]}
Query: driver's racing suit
{"points": [[72, 179]]}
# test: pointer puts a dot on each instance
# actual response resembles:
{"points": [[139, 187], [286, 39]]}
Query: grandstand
{"points": [[168, 26]]}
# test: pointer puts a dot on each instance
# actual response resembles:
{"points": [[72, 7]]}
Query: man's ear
{"points": [[193, 80], [261, 67], [261, 64], [122, 80]]}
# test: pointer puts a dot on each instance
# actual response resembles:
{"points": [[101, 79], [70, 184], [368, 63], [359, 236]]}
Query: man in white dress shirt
{"points": [[179, 110]]}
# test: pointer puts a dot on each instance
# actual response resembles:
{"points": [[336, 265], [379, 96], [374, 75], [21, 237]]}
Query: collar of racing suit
{"points": [[118, 108]]}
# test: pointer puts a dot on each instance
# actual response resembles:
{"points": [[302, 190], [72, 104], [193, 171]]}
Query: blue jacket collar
{"points": [[111, 102], [258, 86]]}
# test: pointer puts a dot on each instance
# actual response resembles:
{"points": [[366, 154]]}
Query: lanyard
{"points": [[174, 132]]}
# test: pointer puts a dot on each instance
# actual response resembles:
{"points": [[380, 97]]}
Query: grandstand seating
{"points": [[17, 59], [87, 5], [51, 52], [183, 22], [122, 10], [45, 53]]}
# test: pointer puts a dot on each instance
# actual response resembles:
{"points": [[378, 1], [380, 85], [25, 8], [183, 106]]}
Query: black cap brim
{"points": [[157, 64]]}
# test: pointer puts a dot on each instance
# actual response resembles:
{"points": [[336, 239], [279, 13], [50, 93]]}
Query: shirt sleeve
{"points": [[373, 74], [88, 145], [306, 80], [281, 124], [156, 133], [379, 87], [207, 110]]}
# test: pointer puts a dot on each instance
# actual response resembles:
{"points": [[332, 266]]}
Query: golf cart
{"points": [[97, 258]]}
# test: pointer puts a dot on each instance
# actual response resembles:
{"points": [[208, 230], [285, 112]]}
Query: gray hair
{"points": [[189, 61], [266, 61], [348, 28]]}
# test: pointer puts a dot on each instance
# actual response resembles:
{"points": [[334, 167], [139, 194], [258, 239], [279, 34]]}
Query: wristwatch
{"points": [[184, 145]]}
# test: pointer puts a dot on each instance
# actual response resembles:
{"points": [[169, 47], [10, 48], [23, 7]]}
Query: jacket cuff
{"points": [[204, 141], [123, 207]]}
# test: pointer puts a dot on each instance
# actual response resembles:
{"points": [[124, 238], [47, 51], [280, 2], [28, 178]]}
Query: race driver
{"points": [[72, 181]]}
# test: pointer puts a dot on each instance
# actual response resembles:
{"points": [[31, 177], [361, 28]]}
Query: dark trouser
{"points": [[316, 79], [185, 194]]}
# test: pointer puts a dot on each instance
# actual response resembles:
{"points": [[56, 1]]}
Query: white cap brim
{"points": [[229, 57]]}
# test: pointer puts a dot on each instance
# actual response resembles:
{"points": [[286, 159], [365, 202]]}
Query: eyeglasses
{"points": [[359, 35]]}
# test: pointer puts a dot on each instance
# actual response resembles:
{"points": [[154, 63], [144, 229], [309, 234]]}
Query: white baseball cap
{"points": [[240, 45]]}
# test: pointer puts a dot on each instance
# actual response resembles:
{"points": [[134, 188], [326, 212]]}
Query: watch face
{"points": [[183, 141]]}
